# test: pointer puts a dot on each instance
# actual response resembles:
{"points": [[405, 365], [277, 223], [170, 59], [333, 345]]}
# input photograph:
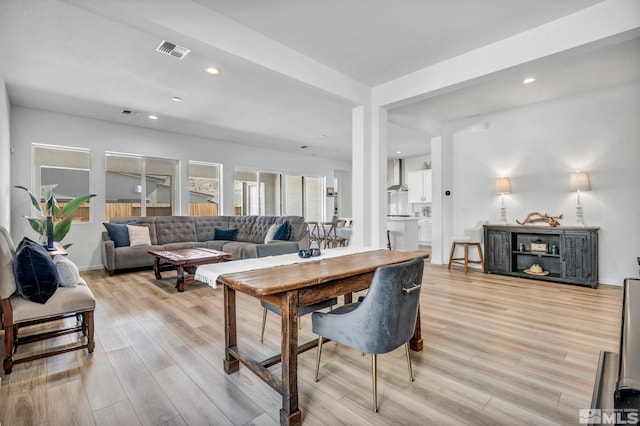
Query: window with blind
{"points": [[314, 198], [64, 172], [139, 186], [204, 189], [292, 189], [272, 193]]}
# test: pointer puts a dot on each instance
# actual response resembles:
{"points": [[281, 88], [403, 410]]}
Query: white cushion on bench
{"points": [[65, 300]]}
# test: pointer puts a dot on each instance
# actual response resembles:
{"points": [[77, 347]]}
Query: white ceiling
{"points": [[375, 41], [94, 58], [594, 68]]}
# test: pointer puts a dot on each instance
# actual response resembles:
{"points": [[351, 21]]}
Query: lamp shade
{"points": [[579, 181], [503, 185]]}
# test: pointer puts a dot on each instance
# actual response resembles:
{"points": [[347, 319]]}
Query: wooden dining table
{"points": [[289, 287]]}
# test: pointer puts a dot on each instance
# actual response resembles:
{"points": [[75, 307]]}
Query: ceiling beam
{"points": [[612, 19], [205, 25]]}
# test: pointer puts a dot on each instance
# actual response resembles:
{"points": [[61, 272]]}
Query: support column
{"points": [[442, 204], [360, 170], [369, 165], [379, 122]]}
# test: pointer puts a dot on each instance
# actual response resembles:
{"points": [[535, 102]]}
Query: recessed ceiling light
{"points": [[529, 80], [153, 117], [212, 70], [176, 99], [398, 152]]}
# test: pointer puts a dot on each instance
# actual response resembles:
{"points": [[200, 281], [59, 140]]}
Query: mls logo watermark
{"points": [[597, 416]]}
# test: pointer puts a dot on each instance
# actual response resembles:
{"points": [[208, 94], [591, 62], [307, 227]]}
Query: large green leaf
{"points": [[74, 204], [61, 229], [53, 208], [38, 225], [34, 200]]}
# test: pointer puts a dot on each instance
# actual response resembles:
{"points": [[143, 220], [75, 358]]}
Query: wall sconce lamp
{"points": [[137, 189], [503, 186], [579, 181]]}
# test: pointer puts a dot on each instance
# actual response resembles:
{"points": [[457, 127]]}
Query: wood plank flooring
{"points": [[497, 351]]}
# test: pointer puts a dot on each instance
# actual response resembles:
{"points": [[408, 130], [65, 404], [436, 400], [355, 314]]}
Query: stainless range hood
{"points": [[397, 185]]}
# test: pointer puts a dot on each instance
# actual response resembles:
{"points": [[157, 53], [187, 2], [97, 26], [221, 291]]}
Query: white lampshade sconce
{"points": [[579, 181], [137, 189], [503, 186]]}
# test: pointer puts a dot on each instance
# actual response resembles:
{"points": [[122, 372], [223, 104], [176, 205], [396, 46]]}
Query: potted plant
{"points": [[59, 219]]}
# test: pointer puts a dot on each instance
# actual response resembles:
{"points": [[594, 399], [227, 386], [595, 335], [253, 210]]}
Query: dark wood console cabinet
{"points": [[573, 261]]}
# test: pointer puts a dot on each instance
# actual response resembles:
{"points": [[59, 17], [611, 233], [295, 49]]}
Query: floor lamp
{"points": [[503, 186], [579, 181]]}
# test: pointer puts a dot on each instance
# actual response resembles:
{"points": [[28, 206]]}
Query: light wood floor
{"points": [[498, 351]]}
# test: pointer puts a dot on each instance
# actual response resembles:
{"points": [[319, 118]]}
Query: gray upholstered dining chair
{"points": [[382, 322], [273, 250]]}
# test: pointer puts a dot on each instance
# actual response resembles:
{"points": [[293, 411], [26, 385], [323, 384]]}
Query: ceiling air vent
{"points": [[172, 49]]}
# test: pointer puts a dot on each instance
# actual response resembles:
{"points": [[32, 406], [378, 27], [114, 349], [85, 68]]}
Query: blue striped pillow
{"points": [[36, 274], [283, 232]]}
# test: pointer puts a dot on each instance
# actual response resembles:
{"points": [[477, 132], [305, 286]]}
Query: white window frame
{"points": [[36, 173]]}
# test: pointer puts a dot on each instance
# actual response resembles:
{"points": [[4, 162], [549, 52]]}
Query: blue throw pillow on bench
{"points": [[36, 274], [283, 231], [225, 234], [119, 233]]}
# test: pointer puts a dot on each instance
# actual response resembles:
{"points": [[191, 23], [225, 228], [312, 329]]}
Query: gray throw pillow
{"points": [[68, 272], [270, 233], [139, 235]]}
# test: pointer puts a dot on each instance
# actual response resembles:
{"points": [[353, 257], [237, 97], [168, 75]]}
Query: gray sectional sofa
{"points": [[176, 232]]}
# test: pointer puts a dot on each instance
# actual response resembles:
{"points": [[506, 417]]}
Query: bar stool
{"points": [[472, 238]]}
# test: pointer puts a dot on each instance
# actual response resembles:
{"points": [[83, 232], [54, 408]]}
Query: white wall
{"points": [[5, 155], [537, 147], [29, 126], [344, 192]]}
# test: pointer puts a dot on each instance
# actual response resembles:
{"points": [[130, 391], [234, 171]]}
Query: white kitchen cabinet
{"points": [[424, 227], [419, 183], [403, 233]]}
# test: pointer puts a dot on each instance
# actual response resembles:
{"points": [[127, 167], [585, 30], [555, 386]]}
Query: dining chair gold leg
{"points": [[320, 340], [374, 375], [264, 321], [406, 347]]}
